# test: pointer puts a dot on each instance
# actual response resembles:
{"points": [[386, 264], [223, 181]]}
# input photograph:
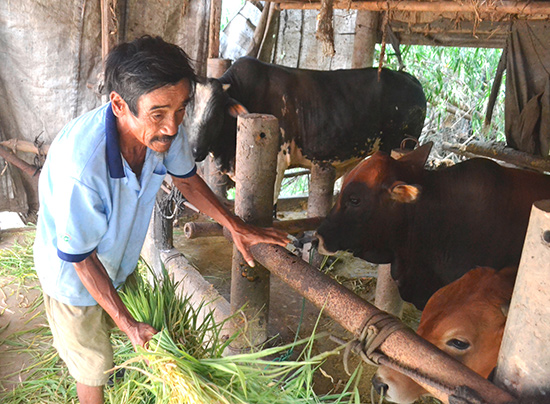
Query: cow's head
{"points": [[368, 215], [205, 114], [466, 320]]}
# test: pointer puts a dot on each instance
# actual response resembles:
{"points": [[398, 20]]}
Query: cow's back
{"points": [[472, 214], [332, 115]]}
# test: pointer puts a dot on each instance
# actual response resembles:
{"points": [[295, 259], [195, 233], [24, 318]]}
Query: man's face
{"points": [[160, 112]]}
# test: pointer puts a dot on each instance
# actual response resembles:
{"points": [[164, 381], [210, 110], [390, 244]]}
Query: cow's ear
{"points": [[235, 108], [418, 156], [404, 193]]}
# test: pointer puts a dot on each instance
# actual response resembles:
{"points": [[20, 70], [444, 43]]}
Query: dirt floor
{"points": [[289, 311]]}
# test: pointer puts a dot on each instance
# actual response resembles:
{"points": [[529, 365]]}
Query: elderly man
{"points": [[97, 192]]}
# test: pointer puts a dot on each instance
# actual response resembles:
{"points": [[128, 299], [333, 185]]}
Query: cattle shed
{"points": [[51, 72]]}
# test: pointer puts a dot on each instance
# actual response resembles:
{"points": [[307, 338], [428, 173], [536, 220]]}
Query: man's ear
{"points": [[404, 193], [120, 107], [235, 108]]}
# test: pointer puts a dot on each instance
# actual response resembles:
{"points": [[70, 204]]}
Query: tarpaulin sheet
{"points": [[50, 60], [528, 88]]}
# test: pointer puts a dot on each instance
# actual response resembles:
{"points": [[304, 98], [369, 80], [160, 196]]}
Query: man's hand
{"points": [[245, 236], [140, 334]]}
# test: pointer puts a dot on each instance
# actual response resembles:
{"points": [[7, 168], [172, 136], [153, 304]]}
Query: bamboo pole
{"points": [[500, 152], [214, 28], [500, 8], [259, 32]]}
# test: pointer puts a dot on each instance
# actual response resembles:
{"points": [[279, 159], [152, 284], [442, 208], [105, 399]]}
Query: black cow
{"points": [[432, 226], [324, 116]]}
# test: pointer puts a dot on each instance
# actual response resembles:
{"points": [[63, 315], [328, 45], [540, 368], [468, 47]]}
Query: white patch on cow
{"points": [[203, 96]]}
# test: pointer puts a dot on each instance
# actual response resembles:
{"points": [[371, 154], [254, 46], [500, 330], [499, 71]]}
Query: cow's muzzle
{"points": [[322, 247]]}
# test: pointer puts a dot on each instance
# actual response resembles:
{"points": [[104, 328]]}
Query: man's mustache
{"points": [[164, 138]]}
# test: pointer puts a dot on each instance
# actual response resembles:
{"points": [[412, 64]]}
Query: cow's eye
{"points": [[458, 344], [354, 201]]}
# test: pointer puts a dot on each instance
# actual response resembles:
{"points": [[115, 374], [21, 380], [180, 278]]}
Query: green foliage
{"points": [[457, 83]]}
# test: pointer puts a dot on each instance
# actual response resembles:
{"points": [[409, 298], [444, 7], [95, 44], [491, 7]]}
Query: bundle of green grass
{"points": [[185, 362], [182, 364]]}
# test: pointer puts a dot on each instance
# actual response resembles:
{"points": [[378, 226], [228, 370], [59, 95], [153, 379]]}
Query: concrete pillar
{"points": [[523, 366], [255, 171]]}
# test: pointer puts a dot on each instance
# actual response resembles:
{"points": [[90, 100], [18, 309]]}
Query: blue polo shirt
{"points": [[90, 199]]}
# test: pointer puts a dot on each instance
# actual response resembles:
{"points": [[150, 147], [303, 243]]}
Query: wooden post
{"points": [[110, 35], [319, 203], [214, 28], [255, 171], [387, 297], [523, 366], [366, 36], [215, 68]]}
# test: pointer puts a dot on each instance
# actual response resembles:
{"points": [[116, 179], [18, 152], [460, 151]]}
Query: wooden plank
{"points": [[497, 8]]}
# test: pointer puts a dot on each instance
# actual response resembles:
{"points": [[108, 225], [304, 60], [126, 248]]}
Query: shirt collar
{"points": [[114, 158]]}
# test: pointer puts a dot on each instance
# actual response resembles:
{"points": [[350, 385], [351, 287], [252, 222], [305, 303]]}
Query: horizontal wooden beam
{"points": [[500, 151], [500, 8]]}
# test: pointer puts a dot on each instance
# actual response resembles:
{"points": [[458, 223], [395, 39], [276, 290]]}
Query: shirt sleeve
{"points": [[179, 160], [80, 221]]}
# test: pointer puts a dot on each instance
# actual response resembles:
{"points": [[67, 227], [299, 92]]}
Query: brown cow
{"points": [[432, 226], [464, 319]]}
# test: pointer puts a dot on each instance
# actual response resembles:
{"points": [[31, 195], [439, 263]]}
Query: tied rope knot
{"points": [[375, 331]]}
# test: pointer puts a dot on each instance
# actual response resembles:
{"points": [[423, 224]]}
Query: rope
{"points": [[169, 205], [377, 328]]}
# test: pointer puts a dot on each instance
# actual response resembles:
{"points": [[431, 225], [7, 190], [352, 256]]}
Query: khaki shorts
{"points": [[81, 335]]}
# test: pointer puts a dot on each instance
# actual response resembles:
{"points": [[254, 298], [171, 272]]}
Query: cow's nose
{"points": [[198, 154], [380, 387]]}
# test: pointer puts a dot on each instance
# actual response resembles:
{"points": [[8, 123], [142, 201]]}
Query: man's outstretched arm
{"points": [[197, 192]]}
